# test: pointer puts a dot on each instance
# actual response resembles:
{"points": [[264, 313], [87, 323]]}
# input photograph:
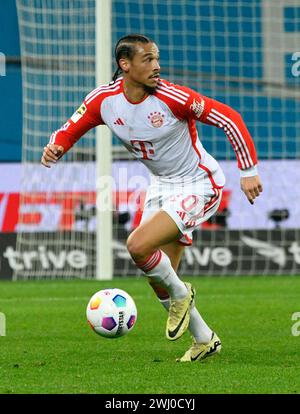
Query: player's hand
{"points": [[252, 187], [52, 153]]}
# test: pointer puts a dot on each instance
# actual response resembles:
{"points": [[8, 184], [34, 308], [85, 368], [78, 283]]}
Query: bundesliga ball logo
{"points": [[156, 119]]}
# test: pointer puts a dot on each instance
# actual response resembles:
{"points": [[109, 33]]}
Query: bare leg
{"points": [[144, 247], [158, 231]]}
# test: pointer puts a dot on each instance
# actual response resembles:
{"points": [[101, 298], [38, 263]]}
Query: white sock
{"points": [[158, 267], [197, 326]]}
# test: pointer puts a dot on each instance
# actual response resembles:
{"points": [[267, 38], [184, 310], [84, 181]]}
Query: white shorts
{"points": [[189, 205]]}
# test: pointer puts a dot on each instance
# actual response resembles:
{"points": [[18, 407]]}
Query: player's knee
{"points": [[137, 248]]}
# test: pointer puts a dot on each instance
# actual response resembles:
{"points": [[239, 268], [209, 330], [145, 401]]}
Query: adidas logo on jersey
{"points": [[119, 121]]}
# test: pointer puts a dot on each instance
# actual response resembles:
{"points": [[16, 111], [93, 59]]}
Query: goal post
{"points": [[104, 231]]}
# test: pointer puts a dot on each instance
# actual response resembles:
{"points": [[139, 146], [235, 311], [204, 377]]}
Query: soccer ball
{"points": [[111, 313]]}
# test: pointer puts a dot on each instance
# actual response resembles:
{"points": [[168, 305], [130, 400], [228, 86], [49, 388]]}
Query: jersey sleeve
{"points": [[209, 111], [87, 116]]}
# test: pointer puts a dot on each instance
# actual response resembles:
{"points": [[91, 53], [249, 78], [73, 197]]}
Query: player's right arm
{"points": [[87, 116], [51, 154]]}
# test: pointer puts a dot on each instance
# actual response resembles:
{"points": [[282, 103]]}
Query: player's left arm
{"points": [[213, 112]]}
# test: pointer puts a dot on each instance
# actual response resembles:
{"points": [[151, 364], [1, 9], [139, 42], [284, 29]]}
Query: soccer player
{"points": [[156, 122]]}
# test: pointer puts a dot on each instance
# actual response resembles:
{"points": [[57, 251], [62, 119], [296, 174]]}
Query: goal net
{"points": [[58, 69], [243, 53]]}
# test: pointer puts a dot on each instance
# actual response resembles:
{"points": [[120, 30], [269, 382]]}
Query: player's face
{"points": [[144, 67]]}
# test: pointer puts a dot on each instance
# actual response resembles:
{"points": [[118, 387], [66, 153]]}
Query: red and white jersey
{"points": [[160, 130]]}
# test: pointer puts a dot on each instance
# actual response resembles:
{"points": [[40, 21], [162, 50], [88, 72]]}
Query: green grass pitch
{"points": [[50, 348]]}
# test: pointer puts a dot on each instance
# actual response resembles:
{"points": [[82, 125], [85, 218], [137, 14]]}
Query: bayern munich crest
{"points": [[156, 119]]}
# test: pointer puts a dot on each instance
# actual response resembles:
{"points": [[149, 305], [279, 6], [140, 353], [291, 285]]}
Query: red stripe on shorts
{"points": [[212, 202]]}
